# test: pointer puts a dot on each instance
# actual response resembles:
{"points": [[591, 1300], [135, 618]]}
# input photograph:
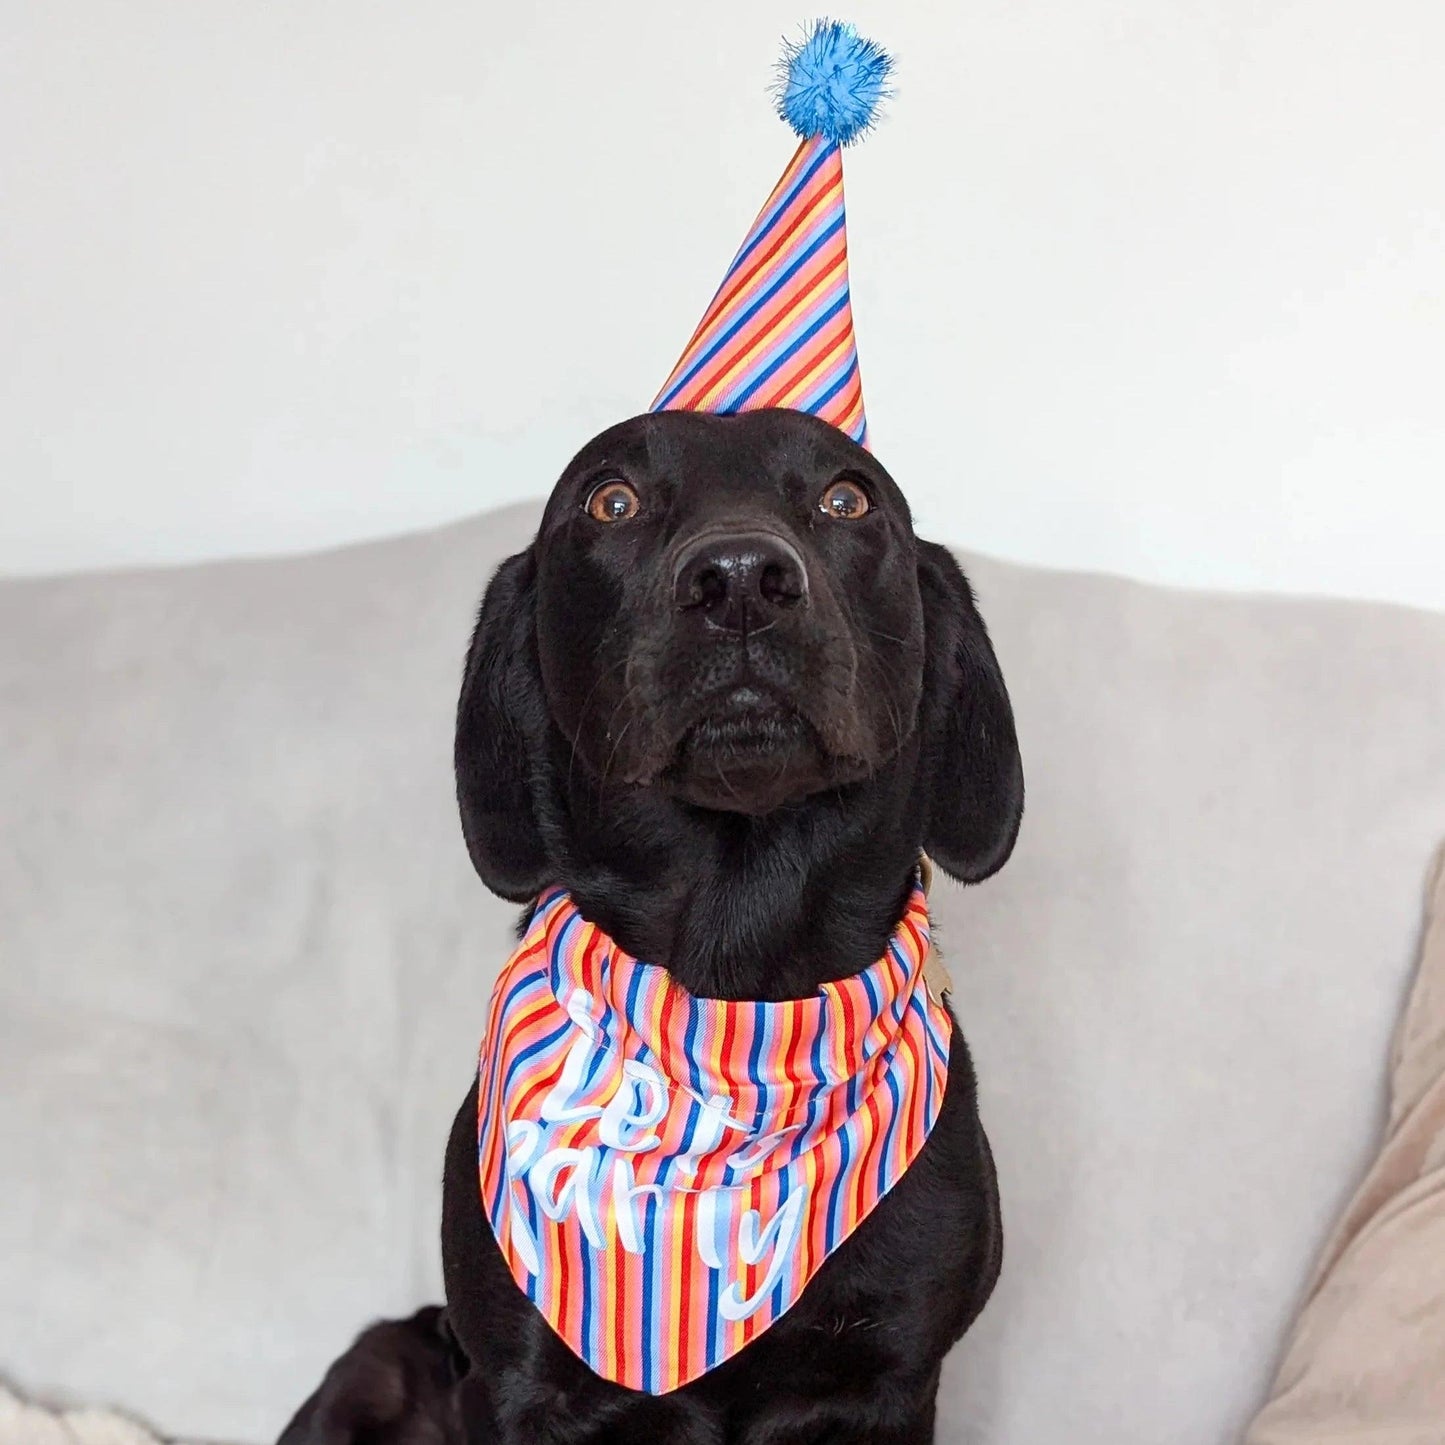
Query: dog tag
{"points": [[935, 974], [925, 872]]}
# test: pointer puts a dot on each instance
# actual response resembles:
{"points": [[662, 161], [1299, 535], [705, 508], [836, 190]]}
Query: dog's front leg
{"points": [[396, 1385], [543, 1413], [835, 1422]]}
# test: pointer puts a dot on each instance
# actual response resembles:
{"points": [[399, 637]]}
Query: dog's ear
{"points": [[501, 740], [972, 776]]}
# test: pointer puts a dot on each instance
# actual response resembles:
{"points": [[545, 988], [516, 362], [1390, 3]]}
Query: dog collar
{"points": [[664, 1174]]}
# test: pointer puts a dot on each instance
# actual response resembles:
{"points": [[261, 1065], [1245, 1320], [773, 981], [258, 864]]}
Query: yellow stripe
{"points": [[770, 334], [819, 369], [713, 323], [689, 350], [853, 414], [611, 1325], [674, 1360]]}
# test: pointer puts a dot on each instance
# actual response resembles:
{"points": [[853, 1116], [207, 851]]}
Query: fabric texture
{"points": [[245, 962], [779, 331], [1366, 1362], [664, 1173]]}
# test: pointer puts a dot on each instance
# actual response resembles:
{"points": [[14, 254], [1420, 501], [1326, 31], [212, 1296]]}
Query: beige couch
{"points": [[244, 960]]}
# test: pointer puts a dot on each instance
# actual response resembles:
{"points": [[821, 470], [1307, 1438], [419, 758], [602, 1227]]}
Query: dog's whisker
{"points": [[602, 677], [884, 636], [607, 766]]}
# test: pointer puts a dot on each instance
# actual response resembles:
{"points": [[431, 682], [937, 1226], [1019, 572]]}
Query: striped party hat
{"points": [[779, 331]]}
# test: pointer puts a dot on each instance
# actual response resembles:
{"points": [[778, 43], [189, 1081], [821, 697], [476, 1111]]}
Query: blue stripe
{"points": [[925, 1065], [872, 990], [555, 954], [538, 1282], [711, 1346], [764, 224], [588, 1257], [845, 1152], [740, 321], [769, 1032], [546, 904], [755, 1054], [938, 1043], [531, 1052], [886, 1137], [823, 229], [803, 1136], [768, 365], [817, 402], [777, 1302], [634, 987], [904, 994], [648, 1383], [815, 1058], [894, 952], [593, 1065], [689, 1036]]}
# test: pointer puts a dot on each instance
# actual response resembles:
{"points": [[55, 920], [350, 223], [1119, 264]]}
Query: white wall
{"points": [[1155, 286]]}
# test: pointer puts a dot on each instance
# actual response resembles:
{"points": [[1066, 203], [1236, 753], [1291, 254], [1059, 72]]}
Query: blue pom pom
{"points": [[831, 82]]}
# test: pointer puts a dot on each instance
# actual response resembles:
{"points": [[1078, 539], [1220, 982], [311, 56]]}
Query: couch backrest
{"points": [[245, 963]]}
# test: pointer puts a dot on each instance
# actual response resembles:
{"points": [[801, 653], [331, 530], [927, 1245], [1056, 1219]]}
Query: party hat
{"points": [[779, 331]]}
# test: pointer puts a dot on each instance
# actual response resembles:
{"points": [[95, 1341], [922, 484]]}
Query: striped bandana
{"points": [[664, 1174]]}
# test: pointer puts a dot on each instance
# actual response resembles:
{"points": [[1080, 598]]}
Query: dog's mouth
{"points": [[747, 751], [746, 720]]}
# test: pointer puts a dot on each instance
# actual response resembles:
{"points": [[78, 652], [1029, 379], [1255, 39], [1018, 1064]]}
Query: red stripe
{"points": [[725, 1052], [822, 264], [544, 1079], [560, 1260], [621, 1333], [914, 1095], [731, 283], [867, 1165], [541, 1074], [789, 220], [850, 1023], [665, 1024], [821, 345], [845, 401]]}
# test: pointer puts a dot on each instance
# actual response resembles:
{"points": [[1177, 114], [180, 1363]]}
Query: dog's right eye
{"points": [[613, 501]]}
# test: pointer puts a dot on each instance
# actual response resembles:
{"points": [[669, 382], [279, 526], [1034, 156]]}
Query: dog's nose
{"points": [[740, 580]]}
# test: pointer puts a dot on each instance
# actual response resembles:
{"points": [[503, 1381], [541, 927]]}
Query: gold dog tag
{"points": [[935, 974]]}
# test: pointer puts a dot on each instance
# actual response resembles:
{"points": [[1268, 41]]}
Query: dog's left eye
{"points": [[613, 501], [845, 500]]}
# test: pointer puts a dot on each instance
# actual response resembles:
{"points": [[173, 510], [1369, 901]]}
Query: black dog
{"points": [[725, 699]]}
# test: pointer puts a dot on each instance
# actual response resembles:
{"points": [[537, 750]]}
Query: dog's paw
{"points": [[395, 1386]]}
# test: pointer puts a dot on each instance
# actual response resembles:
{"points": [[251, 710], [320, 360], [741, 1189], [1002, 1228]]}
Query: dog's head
{"points": [[729, 615]]}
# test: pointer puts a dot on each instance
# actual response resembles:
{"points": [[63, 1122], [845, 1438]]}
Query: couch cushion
{"points": [[246, 962], [1367, 1354]]}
